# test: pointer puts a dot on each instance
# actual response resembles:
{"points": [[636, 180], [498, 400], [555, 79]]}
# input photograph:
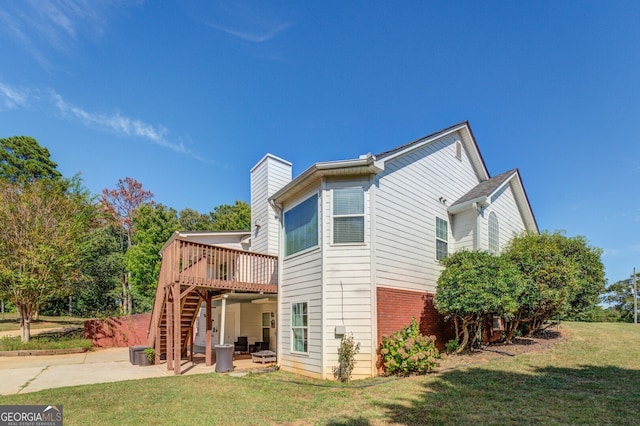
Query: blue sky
{"points": [[187, 96]]}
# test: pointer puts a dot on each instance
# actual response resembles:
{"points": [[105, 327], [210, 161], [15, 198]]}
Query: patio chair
{"points": [[242, 344]]}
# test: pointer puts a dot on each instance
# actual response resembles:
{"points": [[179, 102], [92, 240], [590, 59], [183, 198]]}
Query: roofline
{"points": [[484, 200], [269, 155], [366, 164], [463, 125], [179, 234]]}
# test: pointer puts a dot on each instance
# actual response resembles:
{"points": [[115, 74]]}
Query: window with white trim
{"points": [[494, 233], [301, 226], [348, 215], [442, 238], [299, 327]]}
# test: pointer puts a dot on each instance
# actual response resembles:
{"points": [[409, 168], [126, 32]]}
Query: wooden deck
{"points": [[192, 273]]}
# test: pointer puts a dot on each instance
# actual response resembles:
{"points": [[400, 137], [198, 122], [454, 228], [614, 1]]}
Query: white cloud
{"points": [[118, 124], [12, 97], [38, 26], [254, 37], [253, 22]]}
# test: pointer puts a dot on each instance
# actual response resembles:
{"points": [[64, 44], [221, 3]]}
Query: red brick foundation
{"points": [[397, 307], [118, 331]]}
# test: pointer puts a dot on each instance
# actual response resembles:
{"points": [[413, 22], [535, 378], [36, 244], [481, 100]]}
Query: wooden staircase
{"points": [[190, 273], [190, 306]]}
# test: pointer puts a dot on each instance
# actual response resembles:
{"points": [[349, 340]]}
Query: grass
{"points": [[9, 322], [591, 378], [70, 339]]}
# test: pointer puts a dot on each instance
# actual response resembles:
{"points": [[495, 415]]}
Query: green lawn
{"points": [[9, 321], [593, 377]]}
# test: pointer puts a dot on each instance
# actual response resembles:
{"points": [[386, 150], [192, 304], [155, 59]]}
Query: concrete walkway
{"points": [[23, 374]]}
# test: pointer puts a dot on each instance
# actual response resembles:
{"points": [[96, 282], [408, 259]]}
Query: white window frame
{"points": [[440, 239], [304, 328], [338, 216], [317, 236], [493, 231]]}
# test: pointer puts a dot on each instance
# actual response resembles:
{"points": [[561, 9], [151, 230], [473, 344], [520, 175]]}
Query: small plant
{"points": [[347, 352], [408, 351], [451, 346], [150, 353]]}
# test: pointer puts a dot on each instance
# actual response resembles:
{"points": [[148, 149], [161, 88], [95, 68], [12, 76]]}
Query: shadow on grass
{"points": [[550, 395]]}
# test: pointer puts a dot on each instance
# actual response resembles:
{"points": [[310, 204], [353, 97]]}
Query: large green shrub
{"points": [[408, 351]]}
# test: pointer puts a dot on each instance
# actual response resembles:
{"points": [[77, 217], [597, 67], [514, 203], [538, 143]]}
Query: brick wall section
{"points": [[118, 331], [396, 308]]}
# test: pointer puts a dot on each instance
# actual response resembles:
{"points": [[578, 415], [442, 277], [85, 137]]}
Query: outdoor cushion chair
{"points": [[242, 344]]}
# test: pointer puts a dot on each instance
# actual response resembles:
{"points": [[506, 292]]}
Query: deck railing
{"points": [[221, 267], [214, 267]]}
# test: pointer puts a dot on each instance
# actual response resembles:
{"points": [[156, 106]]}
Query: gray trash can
{"points": [[224, 358], [133, 351]]}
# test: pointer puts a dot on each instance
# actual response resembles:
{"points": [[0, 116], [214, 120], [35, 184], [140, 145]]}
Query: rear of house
{"points": [[361, 242]]}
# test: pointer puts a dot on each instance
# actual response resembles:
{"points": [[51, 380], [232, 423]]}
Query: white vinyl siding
{"points": [[267, 177], [301, 226], [503, 203], [407, 199], [301, 281], [348, 215], [347, 285]]}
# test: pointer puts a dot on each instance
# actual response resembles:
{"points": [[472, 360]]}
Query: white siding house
{"points": [[350, 231], [359, 244]]}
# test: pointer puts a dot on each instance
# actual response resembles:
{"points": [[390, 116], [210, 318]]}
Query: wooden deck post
{"points": [[177, 330], [207, 350], [169, 334]]}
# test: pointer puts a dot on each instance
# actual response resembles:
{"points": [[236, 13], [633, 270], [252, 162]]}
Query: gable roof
{"points": [[481, 194], [484, 189], [462, 129], [370, 164]]}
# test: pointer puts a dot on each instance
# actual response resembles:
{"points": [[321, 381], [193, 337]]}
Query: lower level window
{"points": [[299, 329]]}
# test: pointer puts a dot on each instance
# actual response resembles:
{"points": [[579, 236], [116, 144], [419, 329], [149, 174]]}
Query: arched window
{"points": [[494, 233]]}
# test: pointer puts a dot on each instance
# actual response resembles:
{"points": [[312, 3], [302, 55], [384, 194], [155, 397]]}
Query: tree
{"points": [[22, 158], [192, 220], [620, 296], [473, 287], [562, 276], [153, 225], [42, 226], [121, 203], [228, 217]]}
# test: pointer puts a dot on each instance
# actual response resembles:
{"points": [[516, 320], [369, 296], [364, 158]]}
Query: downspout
{"points": [[476, 234], [279, 210]]}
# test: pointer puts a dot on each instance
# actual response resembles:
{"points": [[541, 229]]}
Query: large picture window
{"points": [[442, 238], [348, 215], [299, 327], [301, 226]]}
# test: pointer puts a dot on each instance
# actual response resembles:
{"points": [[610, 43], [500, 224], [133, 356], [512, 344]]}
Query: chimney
{"points": [[267, 177]]}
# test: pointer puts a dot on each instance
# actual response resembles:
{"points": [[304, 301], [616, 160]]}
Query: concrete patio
{"points": [[23, 374]]}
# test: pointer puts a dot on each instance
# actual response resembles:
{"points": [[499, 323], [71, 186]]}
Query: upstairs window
{"points": [[301, 226], [442, 238], [494, 233], [348, 215]]}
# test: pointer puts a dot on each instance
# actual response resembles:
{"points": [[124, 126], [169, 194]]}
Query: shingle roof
{"points": [[486, 188]]}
